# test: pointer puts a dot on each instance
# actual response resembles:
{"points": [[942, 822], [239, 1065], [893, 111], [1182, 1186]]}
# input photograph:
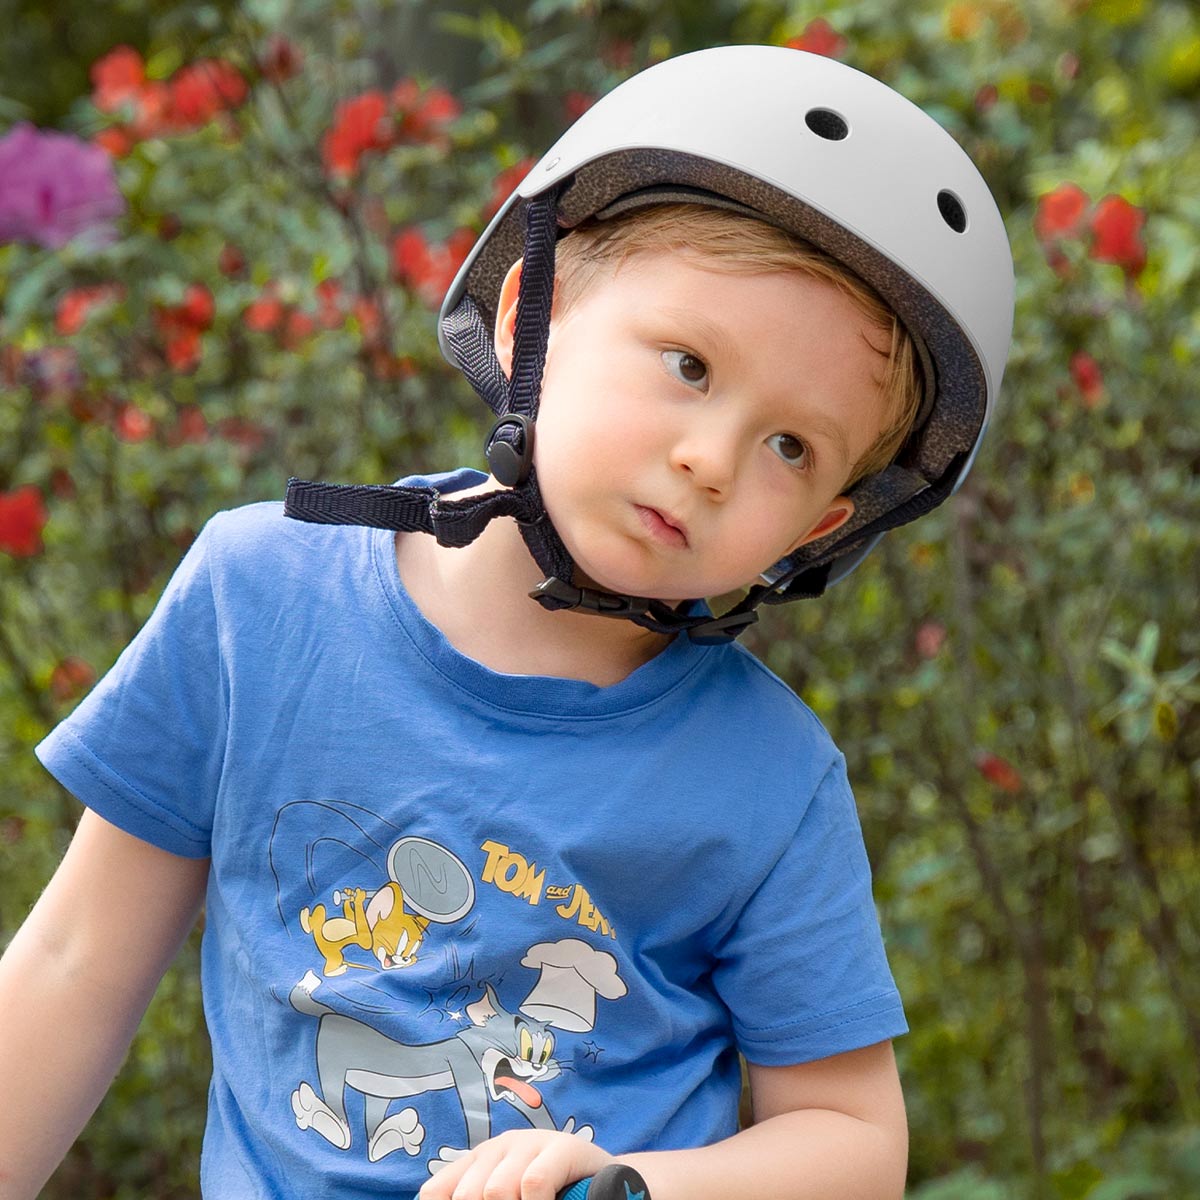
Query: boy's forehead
{"points": [[738, 311]]}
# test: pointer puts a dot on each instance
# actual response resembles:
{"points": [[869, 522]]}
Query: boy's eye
{"points": [[686, 367], [791, 449]]}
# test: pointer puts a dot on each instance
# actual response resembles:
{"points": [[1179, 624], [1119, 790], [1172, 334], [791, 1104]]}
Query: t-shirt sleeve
{"points": [[803, 971], [145, 748]]}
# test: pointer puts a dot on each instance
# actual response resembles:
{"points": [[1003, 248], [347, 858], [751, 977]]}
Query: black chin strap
{"points": [[509, 449]]}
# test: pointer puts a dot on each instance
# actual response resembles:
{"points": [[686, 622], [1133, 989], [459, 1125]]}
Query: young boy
{"points": [[496, 891]]}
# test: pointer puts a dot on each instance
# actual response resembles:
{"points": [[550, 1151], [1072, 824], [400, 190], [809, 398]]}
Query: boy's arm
{"points": [[74, 984], [833, 1129]]}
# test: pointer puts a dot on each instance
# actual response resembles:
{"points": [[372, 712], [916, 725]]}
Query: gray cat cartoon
{"points": [[500, 1057]]}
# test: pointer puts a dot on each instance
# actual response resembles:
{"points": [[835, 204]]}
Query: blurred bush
{"points": [[1015, 681]]}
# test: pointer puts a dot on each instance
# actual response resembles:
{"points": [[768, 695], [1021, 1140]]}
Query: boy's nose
{"points": [[709, 458]]}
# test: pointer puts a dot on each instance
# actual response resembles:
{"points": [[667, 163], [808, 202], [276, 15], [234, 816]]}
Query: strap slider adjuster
{"points": [[723, 629], [510, 463], [604, 604]]}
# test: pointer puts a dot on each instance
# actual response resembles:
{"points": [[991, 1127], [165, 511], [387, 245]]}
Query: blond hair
{"points": [[729, 241]]}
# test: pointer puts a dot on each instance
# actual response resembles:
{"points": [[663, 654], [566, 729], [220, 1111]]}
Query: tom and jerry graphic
{"points": [[500, 1057], [399, 900]]}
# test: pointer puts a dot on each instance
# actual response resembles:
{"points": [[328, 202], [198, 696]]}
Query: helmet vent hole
{"points": [[826, 124], [953, 213]]}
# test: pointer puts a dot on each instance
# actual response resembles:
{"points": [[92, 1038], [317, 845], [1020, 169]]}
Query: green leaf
{"points": [[1131, 1187], [30, 287]]}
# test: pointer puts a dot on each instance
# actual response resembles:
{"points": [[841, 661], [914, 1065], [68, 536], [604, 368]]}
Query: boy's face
{"points": [[696, 426]]}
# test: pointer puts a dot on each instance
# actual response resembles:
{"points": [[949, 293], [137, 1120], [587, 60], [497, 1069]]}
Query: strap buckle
{"points": [[603, 604]]}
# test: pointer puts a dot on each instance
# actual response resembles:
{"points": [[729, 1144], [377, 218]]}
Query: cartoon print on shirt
{"points": [[501, 1056], [415, 882], [373, 921]]}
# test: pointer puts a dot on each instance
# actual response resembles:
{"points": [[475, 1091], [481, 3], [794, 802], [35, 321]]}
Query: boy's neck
{"points": [[478, 597]]}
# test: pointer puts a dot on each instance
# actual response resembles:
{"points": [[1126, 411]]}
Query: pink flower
{"points": [[54, 186]]}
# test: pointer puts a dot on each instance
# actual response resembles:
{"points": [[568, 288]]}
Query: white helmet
{"points": [[821, 150]]}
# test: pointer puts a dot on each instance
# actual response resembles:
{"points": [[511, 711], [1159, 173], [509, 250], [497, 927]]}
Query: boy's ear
{"points": [[840, 510], [506, 316]]}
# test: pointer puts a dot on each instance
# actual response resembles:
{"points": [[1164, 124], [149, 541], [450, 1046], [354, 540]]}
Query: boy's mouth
{"points": [[661, 526]]}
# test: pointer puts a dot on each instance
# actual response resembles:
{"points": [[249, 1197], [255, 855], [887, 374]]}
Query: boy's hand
{"points": [[526, 1164]]}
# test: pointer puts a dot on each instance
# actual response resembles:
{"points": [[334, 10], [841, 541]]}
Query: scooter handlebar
{"points": [[614, 1182]]}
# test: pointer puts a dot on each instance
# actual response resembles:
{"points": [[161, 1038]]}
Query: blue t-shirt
{"points": [[445, 902]]}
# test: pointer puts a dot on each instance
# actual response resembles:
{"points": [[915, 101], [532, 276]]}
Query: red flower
{"points": [[366, 313], [61, 483], [1086, 373], [329, 295], [131, 424], [190, 426], [359, 125], [71, 678], [410, 255], [1060, 213], [575, 104], [242, 433], [23, 516], [182, 324], [231, 261], [280, 59], [296, 328], [117, 78], [114, 141], [204, 88], [423, 118], [986, 97], [197, 308], [618, 53], [819, 37], [429, 270], [998, 772], [153, 115], [505, 184], [264, 314], [75, 305], [930, 637], [1116, 225], [183, 349]]}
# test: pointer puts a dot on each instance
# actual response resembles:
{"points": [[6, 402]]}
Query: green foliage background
{"points": [[1042, 923]]}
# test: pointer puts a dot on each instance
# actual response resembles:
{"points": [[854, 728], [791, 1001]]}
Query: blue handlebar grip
{"points": [[614, 1182]]}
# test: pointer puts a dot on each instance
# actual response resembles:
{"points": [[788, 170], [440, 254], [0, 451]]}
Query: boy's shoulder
{"points": [[252, 530], [255, 549], [760, 707]]}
